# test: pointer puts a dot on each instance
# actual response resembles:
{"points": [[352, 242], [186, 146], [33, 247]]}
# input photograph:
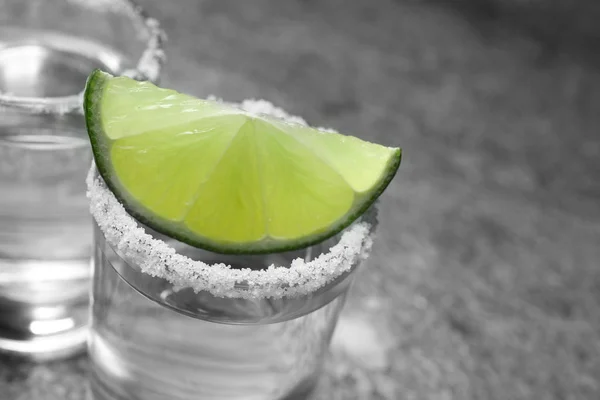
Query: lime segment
{"points": [[222, 178]]}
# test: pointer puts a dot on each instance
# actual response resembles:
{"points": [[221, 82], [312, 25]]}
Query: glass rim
{"points": [[147, 67], [158, 259]]}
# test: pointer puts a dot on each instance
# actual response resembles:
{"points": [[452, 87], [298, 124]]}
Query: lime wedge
{"points": [[224, 179]]}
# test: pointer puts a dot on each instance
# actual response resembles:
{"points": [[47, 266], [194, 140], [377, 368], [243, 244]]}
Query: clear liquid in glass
{"points": [[45, 227], [149, 341]]}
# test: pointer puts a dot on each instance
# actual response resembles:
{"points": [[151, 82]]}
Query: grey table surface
{"points": [[485, 278]]}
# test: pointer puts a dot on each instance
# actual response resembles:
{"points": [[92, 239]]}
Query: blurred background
{"points": [[485, 279]]}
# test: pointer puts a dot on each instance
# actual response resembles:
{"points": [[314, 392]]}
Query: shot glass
{"points": [[174, 322], [47, 49]]}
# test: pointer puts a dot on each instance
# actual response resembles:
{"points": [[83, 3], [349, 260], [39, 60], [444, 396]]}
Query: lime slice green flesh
{"points": [[220, 178]]}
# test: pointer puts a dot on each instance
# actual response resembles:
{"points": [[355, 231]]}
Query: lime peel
{"points": [[242, 179], [156, 258]]}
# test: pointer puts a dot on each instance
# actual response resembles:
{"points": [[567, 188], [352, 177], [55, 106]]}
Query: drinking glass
{"points": [[47, 50], [170, 321]]}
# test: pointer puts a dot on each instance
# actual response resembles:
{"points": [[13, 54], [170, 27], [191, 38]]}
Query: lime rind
{"points": [[172, 226]]}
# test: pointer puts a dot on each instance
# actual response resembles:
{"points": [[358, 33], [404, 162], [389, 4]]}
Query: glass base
{"points": [[48, 347], [44, 307], [97, 391]]}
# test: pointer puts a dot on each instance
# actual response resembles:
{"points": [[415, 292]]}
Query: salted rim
{"points": [[156, 258], [148, 66]]}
